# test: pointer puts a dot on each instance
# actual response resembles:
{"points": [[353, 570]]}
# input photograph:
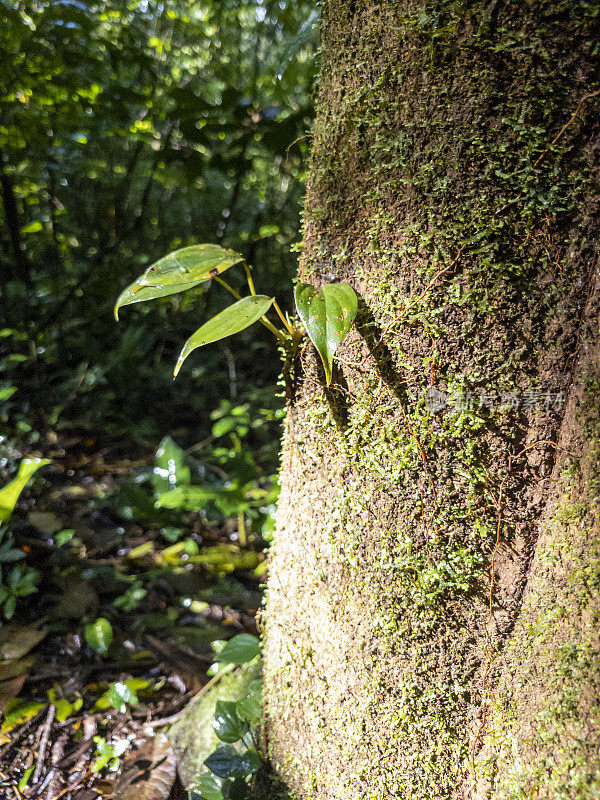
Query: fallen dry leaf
{"points": [[17, 640], [149, 773]]}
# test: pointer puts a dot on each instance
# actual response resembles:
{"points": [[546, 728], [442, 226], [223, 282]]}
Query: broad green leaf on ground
{"points": [[9, 494], [228, 499], [232, 320], [63, 708], [327, 315], [17, 712], [121, 694], [242, 648], [228, 724], [99, 635], [170, 469], [183, 269]]}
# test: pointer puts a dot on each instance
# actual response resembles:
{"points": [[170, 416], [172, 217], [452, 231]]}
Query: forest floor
{"points": [[79, 724]]}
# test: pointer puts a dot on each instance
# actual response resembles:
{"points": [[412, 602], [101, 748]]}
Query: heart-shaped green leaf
{"points": [[226, 762], [242, 648], [327, 315], [228, 724], [180, 270], [232, 320]]}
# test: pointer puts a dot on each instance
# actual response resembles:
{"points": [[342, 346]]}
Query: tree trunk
{"points": [[434, 592]]}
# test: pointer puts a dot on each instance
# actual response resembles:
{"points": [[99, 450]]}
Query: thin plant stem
{"points": [[249, 279], [282, 318], [229, 288], [263, 320]]}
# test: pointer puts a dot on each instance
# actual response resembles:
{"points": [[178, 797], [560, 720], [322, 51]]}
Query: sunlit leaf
{"points": [[170, 469], [63, 708], [250, 705], [327, 315], [180, 270], [232, 320], [227, 723], [121, 696], [243, 647], [209, 787], [99, 635], [9, 494], [17, 712]]}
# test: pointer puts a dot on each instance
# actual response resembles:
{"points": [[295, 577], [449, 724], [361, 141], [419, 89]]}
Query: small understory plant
{"points": [[326, 313], [231, 769], [18, 580]]}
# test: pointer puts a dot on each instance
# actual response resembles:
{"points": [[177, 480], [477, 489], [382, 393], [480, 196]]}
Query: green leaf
{"points": [[9, 494], [209, 787], [239, 790], [32, 227], [183, 269], [242, 648], [327, 315], [226, 762], [99, 635], [232, 320], [17, 712], [121, 695], [227, 723], [250, 707], [251, 761], [169, 470]]}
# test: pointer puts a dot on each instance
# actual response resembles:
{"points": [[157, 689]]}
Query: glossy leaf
{"points": [[242, 648], [99, 635], [170, 469], [183, 269], [209, 787], [226, 762], [232, 320], [9, 494], [227, 723], [251, 761], [327, 314], [121, 695], [250, 706]]}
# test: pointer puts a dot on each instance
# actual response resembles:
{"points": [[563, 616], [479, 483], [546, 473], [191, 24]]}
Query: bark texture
{"points": [[434, 592]]}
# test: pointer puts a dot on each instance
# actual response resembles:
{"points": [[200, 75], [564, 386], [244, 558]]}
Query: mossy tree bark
{"points": [[434, 591]]}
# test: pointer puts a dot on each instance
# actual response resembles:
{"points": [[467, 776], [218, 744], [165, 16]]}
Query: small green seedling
{"points": [[326, 314]]}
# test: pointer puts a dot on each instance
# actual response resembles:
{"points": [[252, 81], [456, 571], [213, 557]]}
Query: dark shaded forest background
{"points": [[129, 129]]}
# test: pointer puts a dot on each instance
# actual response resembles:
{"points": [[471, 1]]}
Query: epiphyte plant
{"points": [[326, 313]]}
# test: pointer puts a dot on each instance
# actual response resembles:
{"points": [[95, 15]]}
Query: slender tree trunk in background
{"points": [[20, 269], [434, 593]]}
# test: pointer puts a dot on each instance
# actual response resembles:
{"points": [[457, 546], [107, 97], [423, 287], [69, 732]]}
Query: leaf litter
{"points": [[85, 711]]}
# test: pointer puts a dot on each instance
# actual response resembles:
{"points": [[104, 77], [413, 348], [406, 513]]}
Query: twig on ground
{"points": [[54, 779], [43, 744]]}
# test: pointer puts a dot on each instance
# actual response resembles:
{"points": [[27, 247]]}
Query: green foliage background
{"points": [[128, 129]]}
